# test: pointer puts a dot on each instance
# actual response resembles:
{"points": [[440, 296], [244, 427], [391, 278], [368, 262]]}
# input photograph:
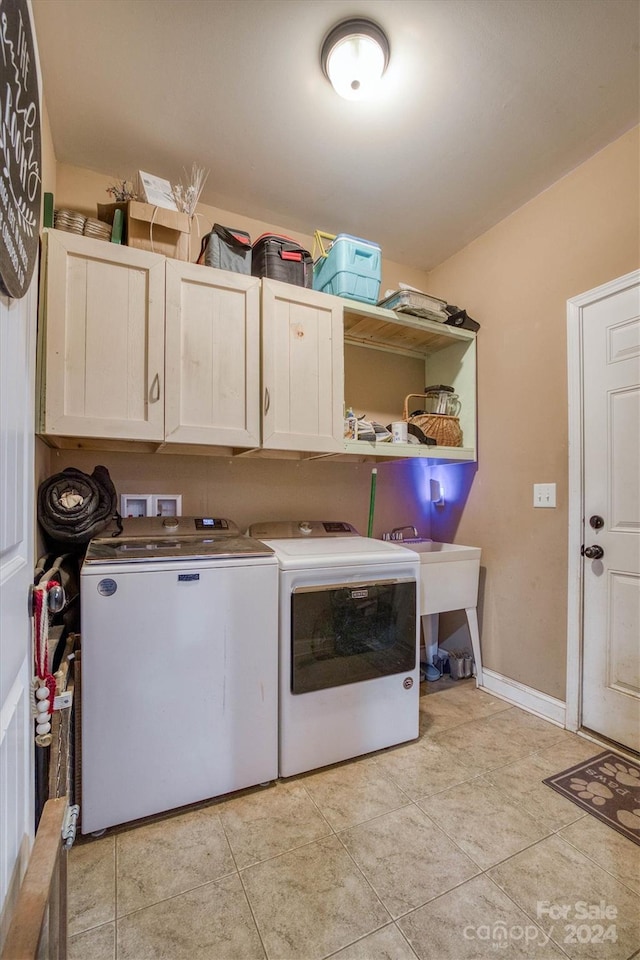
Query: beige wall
{"points": [[251, 490], [48, 155], [83, 189], [515, 280]]}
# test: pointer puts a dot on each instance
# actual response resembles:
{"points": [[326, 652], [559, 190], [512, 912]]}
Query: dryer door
{"points": [[350, 632]]}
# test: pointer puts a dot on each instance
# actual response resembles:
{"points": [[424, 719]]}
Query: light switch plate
{"points": [[544, 494]]}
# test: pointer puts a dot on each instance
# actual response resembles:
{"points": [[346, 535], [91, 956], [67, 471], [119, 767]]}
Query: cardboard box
{"points": [[152, 228]]}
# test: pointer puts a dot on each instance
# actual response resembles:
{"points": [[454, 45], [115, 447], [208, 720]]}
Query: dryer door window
{"points": [[350, 632]]}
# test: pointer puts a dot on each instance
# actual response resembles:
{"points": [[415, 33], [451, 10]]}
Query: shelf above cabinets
{"points": [[400, 451], [398, 332]]}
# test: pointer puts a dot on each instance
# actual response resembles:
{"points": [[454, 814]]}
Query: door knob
{"points": [[593, 553], [596, 522]]}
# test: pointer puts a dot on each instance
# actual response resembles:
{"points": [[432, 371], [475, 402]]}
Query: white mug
{"points": [[399, 433]]}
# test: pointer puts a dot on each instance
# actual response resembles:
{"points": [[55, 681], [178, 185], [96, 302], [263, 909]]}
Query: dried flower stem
{"points": [[122, 190], [187, 192]]}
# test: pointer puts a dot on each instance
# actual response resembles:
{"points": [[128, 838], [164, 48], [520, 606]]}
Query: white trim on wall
{"points": [[17, 777], [575, 309], [533, 701]]}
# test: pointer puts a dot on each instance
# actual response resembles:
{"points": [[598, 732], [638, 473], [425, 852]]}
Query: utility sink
{"points": [[432, 552], [448, 575]]}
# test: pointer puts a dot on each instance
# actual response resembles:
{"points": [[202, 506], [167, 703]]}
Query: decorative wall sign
{"points": [[20, 149]]}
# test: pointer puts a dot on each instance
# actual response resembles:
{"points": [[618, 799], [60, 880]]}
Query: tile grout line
{"points": [[534, 920], [591, 859], [342, 844], [244, 891], [101, 923], [444, 892], [333, 833], [482, 873], [393, 923], [174, 896], [336, 834], [522, 908], [197, 886]]}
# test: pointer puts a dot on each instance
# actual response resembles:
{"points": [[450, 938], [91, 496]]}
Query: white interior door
{"points": [[17, 363], [611, 515]]}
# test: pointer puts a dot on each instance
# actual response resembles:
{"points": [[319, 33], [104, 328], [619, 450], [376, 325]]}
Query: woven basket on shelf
{"points": [[445, 430]]}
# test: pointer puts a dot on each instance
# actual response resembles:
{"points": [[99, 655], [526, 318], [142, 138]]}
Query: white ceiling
{"points": [[485, 103]]}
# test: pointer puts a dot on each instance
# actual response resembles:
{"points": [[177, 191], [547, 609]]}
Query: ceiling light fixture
{"points": [[354, 56]]}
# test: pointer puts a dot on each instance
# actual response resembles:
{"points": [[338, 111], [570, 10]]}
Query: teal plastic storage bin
{"points": [[351, 269]]}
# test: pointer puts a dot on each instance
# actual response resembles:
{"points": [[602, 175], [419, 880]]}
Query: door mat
{"points": [[608, 787]]}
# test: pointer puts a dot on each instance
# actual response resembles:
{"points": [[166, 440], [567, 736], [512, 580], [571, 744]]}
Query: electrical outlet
{"points": [[544, 494]]}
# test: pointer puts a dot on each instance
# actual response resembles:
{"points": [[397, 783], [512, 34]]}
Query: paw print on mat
{"points": [[629, 776], [596, 792], [629, 819]]}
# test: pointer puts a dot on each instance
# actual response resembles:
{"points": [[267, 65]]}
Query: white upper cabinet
{"points": [[212, 358], [302, 369], [102, 340]]}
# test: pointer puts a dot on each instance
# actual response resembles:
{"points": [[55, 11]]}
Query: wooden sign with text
{"points": [[20, 149]]}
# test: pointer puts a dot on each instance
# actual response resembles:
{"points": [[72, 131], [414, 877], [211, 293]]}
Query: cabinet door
{"points": [[302, 369], [212, 356], [102, 317]]}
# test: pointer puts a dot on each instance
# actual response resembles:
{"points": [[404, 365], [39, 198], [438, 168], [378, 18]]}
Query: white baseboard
{"points": [[534, 701]]}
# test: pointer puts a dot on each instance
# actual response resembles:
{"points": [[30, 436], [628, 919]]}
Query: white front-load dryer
{"points": [[349, 642]]}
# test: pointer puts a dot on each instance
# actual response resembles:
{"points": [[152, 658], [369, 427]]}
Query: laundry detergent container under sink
{"points": [[449, 575]]}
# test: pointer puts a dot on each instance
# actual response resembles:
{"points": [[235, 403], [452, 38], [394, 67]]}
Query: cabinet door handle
{"points": [[154, 392], [267, 401]]}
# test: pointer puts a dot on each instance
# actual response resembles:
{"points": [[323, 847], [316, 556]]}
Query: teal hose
{"points": [[372, 500]]}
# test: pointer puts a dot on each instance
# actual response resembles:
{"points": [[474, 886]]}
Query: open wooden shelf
{"points": [[376, 327]]}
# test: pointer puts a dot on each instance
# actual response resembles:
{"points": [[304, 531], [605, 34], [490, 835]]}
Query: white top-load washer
{"points": [[179, 622], [349, 642]]}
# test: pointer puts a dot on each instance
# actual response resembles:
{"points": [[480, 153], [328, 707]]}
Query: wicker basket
{"points": [[445, 430]]}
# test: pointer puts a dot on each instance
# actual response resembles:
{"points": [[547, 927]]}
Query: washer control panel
{"points": [[210, 523], [289, 529]]}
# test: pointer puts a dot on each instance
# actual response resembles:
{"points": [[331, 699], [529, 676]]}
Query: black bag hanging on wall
{"points": [[227, 249]]}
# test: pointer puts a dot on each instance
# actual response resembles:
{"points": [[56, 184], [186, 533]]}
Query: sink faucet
{"points": [[397, 534]]}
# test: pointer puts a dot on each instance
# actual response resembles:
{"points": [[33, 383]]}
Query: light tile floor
{"points": [[447, 848]]}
